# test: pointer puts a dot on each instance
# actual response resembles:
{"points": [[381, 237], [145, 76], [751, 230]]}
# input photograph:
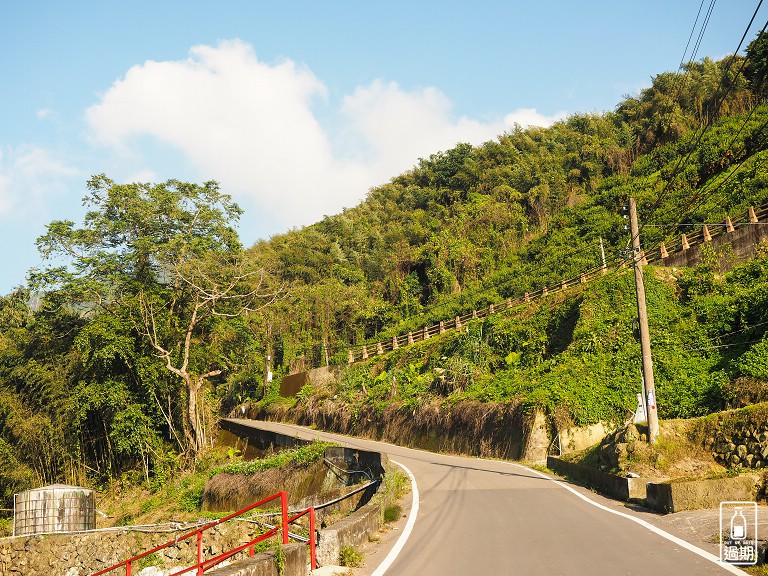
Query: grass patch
{"points": [[392, 512], [350, 557], [300, 456]]}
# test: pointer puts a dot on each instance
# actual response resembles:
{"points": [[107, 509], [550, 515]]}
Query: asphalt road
{"points": [[489, 517]]}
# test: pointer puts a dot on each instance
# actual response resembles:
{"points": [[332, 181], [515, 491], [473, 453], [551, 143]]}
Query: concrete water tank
{"points": [[55, 508]]}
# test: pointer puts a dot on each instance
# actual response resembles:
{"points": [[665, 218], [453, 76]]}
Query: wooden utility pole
{"points": [[649, 388]]}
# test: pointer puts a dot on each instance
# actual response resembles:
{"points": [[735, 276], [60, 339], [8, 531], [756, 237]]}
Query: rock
{"points": [[151, 571], [734, 459], [742, 451], [631, 434], [750, 459]]}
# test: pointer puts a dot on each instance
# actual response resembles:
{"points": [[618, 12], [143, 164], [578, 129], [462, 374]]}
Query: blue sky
{"points": [[299, 108]]}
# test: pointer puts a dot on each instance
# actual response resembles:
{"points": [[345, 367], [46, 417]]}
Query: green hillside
{"points": [[117, 363]]}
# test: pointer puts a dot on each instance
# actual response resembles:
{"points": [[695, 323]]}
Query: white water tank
{"points": [[52, 509]]}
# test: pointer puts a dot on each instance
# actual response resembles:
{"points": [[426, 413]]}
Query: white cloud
{"points": [[44, 113], [29, 177], [252, 126]]}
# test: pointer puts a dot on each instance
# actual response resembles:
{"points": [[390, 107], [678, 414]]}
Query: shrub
{"points": [[392, 512], [350, 557]]}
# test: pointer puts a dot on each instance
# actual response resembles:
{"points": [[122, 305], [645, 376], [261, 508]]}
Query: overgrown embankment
{"points": [[723, 443], [572, 356]]}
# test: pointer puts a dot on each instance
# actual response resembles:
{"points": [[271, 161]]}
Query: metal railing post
{"points": [[284, 506], [128, 568], [312, 556], [199, 553]]}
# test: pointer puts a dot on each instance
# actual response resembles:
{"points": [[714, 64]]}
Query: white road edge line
{"points": [[387, 562], [680, 542]]}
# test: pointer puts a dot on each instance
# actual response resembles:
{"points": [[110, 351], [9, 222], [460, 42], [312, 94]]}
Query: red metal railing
{"points": [[203, 565]]}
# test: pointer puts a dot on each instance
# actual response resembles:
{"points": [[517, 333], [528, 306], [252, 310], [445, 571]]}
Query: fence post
{"points": [[350, 357], [458, 323], [752, 215], [410, 338], [544, 291], [442, 327], [199, 553], [379, 348], [527, 297], [284, 506], [728, 224], [365, 352], [426, 333], [491, 310], [474, 313], [563, 285], [707, 235], [312, 552], [582, 278], [663, 250], [684, 242], [395, 345], [128, 568], [509, 302]]}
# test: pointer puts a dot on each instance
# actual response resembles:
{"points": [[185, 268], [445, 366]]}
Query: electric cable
{"points": [[682, 160]]}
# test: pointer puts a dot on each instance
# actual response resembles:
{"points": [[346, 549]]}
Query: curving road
{"points": [[493, 517]]}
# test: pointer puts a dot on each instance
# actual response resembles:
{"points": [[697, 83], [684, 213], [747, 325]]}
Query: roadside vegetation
{"points": [[150, 319]]}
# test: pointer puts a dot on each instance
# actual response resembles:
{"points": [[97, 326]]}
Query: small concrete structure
{"points": [[676, 496], [605, 483]]}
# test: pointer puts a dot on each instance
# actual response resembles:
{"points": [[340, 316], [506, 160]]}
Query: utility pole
{"points": [[602, 255], [649, 388]]}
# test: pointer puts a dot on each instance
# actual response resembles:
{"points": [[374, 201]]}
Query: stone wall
{"points": [[88, 552], [745, 447], [736, 438]]}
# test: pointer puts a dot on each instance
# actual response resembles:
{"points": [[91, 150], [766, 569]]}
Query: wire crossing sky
{"points": [[299, 108]]}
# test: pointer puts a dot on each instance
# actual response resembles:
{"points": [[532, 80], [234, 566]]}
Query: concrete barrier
{"points": [[353, 531], [605, 483], [263, 441], [679, 495], [296, 562]]}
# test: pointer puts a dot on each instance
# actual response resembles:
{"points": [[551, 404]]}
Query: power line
{"points": [[682, 160], [693, 29]]}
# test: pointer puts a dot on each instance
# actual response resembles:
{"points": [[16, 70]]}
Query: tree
{"points": [[756, 69], [166, 260]]}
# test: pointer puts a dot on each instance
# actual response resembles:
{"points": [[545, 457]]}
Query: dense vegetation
{"points": [[157, 319]]}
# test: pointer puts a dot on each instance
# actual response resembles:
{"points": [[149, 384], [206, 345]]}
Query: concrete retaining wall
{"points": [[261, 441], [353, 531], [740, 245], [296, 562], [608, 484], [292, 383], [676, 496]]}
